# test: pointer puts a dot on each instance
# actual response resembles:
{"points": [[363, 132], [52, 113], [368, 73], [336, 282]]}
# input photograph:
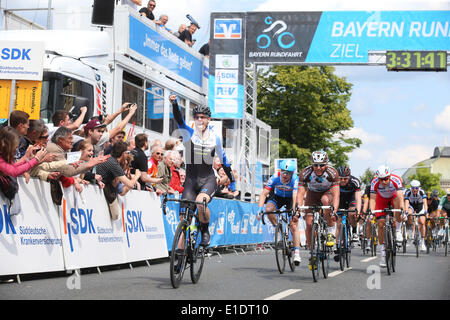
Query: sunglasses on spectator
{"points": [[319, 165], [152, 5], [43, 137], [384, 179], [158, 153]]}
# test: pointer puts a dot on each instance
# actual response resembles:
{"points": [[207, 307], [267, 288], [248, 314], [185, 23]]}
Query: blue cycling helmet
{"points": [[288, 165]]}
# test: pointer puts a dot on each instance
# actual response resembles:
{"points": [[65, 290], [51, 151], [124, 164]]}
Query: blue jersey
{"points": [[280, 189]]}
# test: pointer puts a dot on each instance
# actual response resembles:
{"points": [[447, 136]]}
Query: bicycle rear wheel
{"points": [[197, 259], [428, 239], [178, 257], [289, 253], [280, 248]]}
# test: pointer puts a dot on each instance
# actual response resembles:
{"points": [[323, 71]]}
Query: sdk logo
{"points": [[6, 224], [285, 39], [80, 223]]}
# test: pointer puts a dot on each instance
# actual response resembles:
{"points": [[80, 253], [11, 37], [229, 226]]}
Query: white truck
{"points": [[132, 61]]}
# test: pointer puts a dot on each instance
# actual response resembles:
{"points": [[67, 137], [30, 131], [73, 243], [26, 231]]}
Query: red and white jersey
{"points": [[394, 185]]}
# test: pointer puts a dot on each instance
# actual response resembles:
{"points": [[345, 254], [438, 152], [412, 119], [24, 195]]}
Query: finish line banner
{"points": [[342, 36]]}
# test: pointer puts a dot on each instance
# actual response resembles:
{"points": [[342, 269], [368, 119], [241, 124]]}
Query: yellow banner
{"points": [[28, 97], [5, 98]]}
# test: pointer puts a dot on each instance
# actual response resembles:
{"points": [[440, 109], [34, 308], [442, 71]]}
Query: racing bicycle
{"points": [[186, 250]]}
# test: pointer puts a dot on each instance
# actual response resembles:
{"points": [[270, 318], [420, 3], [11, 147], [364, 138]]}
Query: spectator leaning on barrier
{"points": [[181, 28], [148, 11], [19, 120], [119, 137], [204, 50], [94, 130], [87, 151], [157, 153], [140, 161], [113, 174], [163, 19], [186, 35], [175, 183], [165, 172]]}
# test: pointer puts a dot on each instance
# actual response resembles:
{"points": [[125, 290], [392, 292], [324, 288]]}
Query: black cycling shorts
{"points": [[193, 187], [280, 201]]}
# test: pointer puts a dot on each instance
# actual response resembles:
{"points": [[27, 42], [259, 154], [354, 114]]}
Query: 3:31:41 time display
{"points": [[416, 60]]}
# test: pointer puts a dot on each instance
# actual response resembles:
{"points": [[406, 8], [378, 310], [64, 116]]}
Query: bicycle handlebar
{"points": [[165, 200], [290, 212]]}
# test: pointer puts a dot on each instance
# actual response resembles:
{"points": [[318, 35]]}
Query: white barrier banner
{"points": [[31, 240], [90, 237], [143, 226]]}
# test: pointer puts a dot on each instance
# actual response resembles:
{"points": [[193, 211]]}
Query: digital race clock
{"points": [[416, 60]]}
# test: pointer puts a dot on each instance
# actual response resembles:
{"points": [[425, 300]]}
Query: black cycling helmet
{"points": [[202, 109], [344, 171]]}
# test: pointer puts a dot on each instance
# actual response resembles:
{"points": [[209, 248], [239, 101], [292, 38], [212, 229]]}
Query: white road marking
{"points": [[283, 294], [338, 272], [369, 259]]}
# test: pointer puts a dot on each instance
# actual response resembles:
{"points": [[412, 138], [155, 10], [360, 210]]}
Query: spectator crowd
{"points": [[72, 154], [184, 33]]}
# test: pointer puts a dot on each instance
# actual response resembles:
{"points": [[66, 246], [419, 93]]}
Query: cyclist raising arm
{"points": [[282, 191], [201, 144]]}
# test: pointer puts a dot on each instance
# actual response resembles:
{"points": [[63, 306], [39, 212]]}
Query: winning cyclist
{"points": [[386, 188], [322, 182], [350, 198], [282, 191], [201, 144], [416, 202]]}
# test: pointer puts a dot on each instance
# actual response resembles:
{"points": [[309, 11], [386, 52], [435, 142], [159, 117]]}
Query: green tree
{"points": [[308, 106], [367, 176], [428, 181]]}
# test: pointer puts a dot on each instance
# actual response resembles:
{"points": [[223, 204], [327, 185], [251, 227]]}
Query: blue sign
{"points": [[227, 28], [232, 222], [347, 37], [164, 52]]}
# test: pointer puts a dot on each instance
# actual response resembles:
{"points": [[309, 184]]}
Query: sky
{"points": [[399, 116]]}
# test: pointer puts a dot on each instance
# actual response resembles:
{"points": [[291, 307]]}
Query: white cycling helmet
{"points": [[415, 184], [383, 172], [319, 157]]}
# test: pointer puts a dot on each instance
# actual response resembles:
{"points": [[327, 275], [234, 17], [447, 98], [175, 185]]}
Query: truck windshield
{"points": [[59, 92]]}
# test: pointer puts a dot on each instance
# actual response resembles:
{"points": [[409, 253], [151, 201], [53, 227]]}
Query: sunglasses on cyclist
{"points": [[287, 173], [384, 179], [415, 188], [319, 165]]}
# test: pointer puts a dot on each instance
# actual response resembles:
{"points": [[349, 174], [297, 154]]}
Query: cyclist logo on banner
{"points": [[285, 39]]}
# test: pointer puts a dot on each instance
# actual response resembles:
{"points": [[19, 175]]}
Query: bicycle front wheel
{"points": [[388, 249], [341, 249], [348, 248], [446, 240], [315, 252], [197, 259], [178, 256], [280, 248]]}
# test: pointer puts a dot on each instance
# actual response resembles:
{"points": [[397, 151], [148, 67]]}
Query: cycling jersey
{"points": [[444, 204], [347, 192], [199, 151], [416, 200], [278, 188], [388, 192], [315, 183]]}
